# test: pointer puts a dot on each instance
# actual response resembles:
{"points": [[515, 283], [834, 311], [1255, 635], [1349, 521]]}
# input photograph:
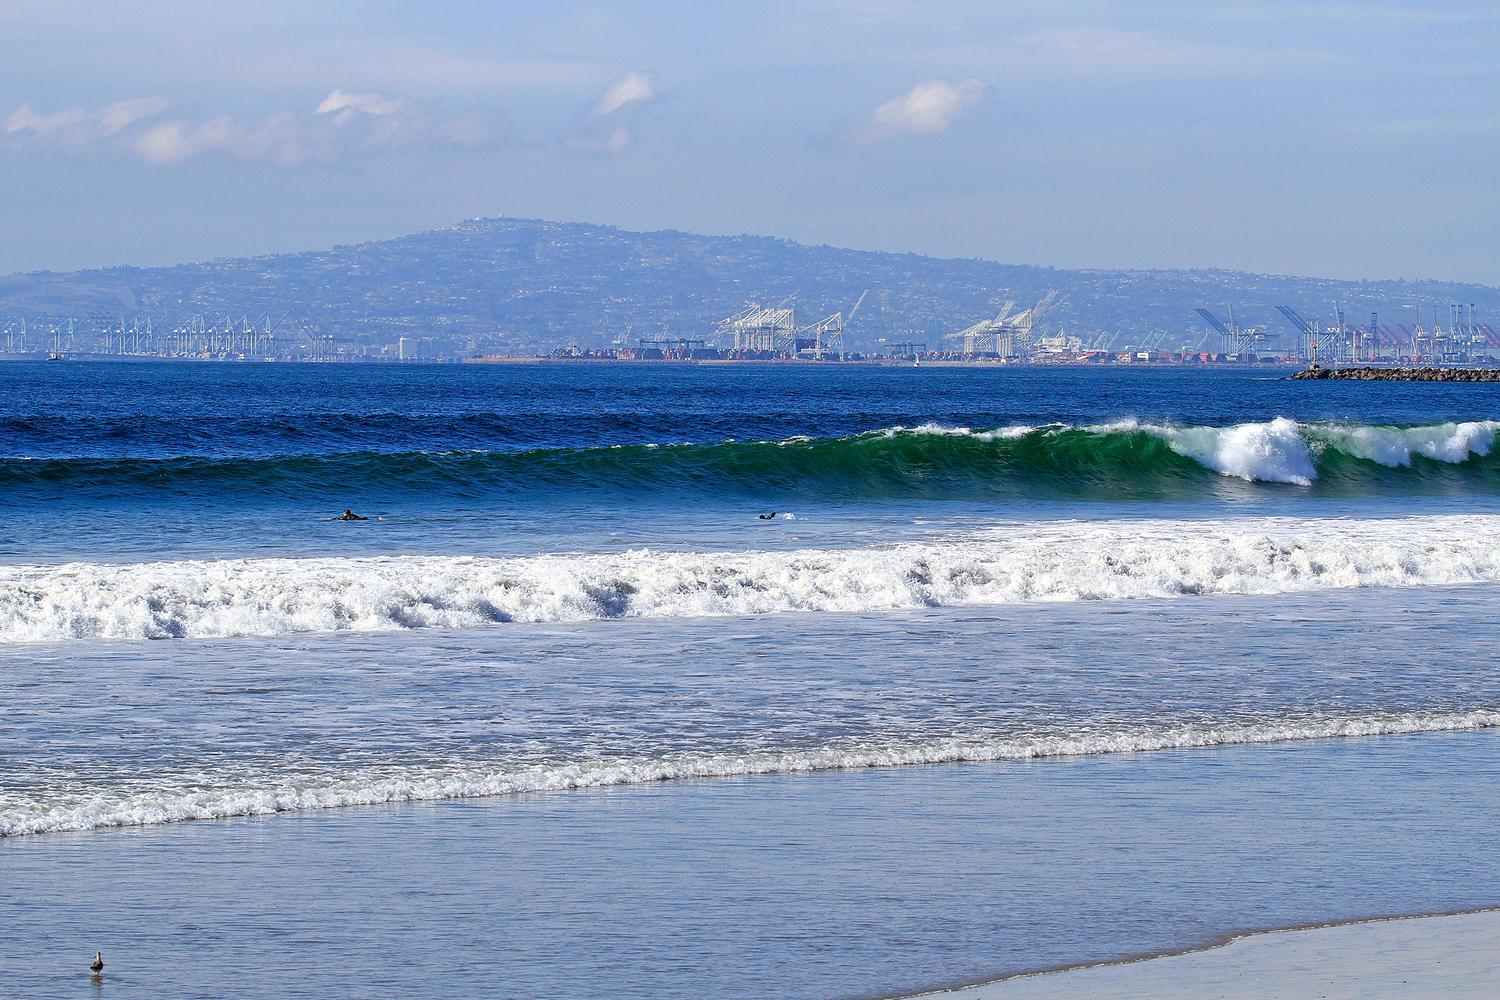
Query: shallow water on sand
{"points": [[854, 883], [198, 729]]}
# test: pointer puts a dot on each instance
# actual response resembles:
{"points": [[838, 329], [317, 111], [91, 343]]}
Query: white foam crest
{"points": [[937, 430], [1283, 451], [1049, 561], [295, 792], [943, 430], [1274, 451], [1123, 426], [1396, 446], [1009, 433]]}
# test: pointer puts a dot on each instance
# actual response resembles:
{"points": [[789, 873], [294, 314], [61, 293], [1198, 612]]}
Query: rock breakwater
{"points": [[1371, 374]]}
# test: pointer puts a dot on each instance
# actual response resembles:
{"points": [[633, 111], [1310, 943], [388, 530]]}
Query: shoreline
{"points": [[985, 363], [527, 361], [1063, 980], [815, 856]]}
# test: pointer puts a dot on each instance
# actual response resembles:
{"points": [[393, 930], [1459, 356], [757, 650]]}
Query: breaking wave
{"points": [[292, 792], [1047, 561], [1123, 459]]}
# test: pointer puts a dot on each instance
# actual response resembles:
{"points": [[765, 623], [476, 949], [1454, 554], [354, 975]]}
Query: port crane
{"points": [[758, 328], [1307, 333], [1008, 334], [826, 337], [1237, 341]]}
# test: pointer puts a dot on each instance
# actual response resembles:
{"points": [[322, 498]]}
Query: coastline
{"points": [[984, 363], [1451, 952]]}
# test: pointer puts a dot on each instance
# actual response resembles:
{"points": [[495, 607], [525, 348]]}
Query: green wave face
{"points": [[1126, 460]]}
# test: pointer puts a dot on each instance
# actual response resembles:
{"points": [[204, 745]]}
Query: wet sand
{"points": [[1455, 955]]}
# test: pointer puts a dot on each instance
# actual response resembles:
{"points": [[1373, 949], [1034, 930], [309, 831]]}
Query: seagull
{"points": [[97, 965]]}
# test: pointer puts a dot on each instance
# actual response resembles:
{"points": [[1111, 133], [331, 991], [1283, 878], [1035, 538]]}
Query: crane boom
{"points": [[1213, 321]]}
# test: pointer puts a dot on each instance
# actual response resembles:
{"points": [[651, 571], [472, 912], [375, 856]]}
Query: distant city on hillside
{"points": [[515, 288]]}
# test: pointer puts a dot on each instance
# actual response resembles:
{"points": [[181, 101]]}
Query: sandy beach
{"points": [[1450, 956]]}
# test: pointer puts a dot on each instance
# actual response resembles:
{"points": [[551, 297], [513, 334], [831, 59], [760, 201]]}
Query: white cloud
{"points": [[632, 88], [344, 104], [343, 122], [605, 143], [24, 120], [286, 140], [929, 107], [465, 131], [123, 114], [82, 123], [173, 142], [78, 130], [604, 133]]}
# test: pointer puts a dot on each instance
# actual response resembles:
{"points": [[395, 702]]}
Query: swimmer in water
{"points": [[349, 515], [768, 517]]}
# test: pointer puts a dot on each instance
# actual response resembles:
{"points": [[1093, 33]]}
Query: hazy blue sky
{"points": [[1344, 139]]}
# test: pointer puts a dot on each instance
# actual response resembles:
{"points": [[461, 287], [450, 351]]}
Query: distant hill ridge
{"points": [[528, 284]]}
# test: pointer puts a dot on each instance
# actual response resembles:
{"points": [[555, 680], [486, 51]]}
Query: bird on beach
{"points": [[97, 965]]}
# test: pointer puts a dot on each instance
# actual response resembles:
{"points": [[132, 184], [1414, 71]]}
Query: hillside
{"points": [[522, 285]]}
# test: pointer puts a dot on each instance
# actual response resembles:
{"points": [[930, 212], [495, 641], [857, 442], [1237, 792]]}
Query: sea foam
{"points": [[1271, 452], [292, 791], [1049, 561]]}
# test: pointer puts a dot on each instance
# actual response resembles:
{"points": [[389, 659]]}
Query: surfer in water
{"points": [[349, 515]]}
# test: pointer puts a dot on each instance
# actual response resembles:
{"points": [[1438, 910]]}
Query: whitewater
{"points": [[225, 794], [1026, 562]]}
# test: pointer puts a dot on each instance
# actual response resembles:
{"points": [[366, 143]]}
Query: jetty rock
{"points": [[1371, 374]]}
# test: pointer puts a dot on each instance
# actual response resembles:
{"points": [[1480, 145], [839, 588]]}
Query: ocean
{"points": [[1031, 667]]}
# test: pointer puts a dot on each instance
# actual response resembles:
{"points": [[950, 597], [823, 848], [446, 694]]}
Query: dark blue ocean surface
{"points": [[250, 459], [238, 410]]}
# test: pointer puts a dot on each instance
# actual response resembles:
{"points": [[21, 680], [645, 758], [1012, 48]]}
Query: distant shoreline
{"points": [[1280, 368], [883, 363]]}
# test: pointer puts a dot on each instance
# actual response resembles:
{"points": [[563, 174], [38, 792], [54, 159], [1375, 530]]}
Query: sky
{"points": [[1346, 139]]}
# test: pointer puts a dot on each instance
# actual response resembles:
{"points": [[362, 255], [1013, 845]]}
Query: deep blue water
{"points": [[132, 460], [135, 410]]}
